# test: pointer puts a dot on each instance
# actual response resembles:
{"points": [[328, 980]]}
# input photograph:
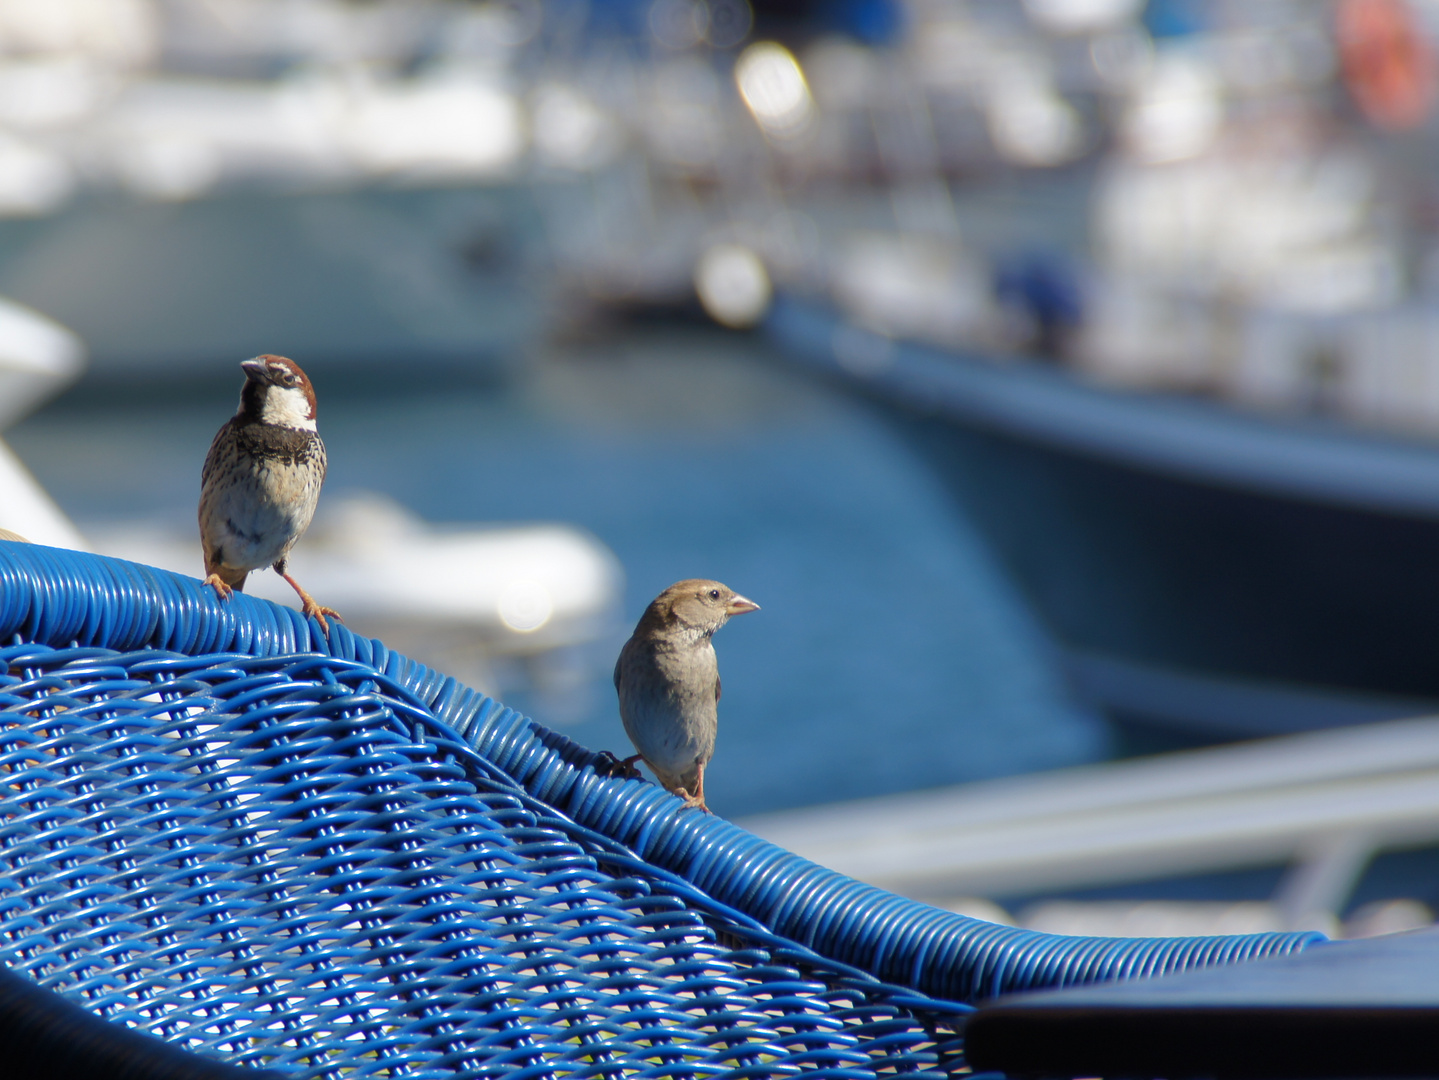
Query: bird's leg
{"points": [[607, 764], [308, 605], [698, 798], [222, 590]]}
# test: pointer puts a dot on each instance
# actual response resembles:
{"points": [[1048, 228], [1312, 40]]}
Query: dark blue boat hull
{"points": [[1201, 572]]}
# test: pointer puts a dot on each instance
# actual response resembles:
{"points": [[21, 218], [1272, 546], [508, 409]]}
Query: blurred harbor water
{"points": [[890, 654]]}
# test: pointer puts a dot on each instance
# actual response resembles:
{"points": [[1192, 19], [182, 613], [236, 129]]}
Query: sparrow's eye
{"points": [[714, 594]]}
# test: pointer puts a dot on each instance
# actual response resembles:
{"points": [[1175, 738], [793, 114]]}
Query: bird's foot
{"points": [[223, 591], [695, 801], [312, 610], [607, 764], [308, 607]]}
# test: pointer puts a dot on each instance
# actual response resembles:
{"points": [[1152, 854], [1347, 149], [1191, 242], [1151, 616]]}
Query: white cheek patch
{"points": [[287, 407]]}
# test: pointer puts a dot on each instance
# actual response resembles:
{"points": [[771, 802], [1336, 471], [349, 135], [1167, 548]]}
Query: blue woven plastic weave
{"points": [[320, 857]]}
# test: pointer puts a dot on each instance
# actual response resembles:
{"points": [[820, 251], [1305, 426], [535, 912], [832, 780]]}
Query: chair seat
{"points": [[311, 855]]}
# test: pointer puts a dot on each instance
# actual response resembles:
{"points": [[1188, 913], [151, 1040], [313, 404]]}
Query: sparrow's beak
{"points": [[739, 605], [255, 369]]}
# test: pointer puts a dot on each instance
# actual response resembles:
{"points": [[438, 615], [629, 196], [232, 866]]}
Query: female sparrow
{"points": [[668, 682]]}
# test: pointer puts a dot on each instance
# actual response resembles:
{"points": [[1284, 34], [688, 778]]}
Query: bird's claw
{"points": [[223, 591], [695, 802], [607, 764], [312, 610]]}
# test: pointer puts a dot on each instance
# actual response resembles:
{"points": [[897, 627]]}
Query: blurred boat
{"points": [[193, 182], [347, 281], [1206, 574]]}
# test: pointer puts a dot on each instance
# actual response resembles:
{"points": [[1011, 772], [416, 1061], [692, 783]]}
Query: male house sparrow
{"points": [[668, 682], [262, 479]]}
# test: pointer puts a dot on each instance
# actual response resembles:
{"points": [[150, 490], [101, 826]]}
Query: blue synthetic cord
{"points": [[278, 846], [62, 598]]}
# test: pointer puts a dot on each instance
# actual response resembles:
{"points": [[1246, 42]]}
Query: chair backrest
{"points": [[318, 856]]}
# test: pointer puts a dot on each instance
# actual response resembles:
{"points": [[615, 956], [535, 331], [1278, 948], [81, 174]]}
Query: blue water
{"points": [[890, 653]]}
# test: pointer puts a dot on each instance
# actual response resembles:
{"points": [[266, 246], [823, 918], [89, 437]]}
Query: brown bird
{"points": [[262, 479], [667, 678]]}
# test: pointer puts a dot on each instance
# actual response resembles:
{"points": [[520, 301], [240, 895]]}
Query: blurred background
{"points": [[1060, 376]]}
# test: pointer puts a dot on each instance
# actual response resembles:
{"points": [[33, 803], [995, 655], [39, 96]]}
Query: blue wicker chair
{"points": [[231, 845]]}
